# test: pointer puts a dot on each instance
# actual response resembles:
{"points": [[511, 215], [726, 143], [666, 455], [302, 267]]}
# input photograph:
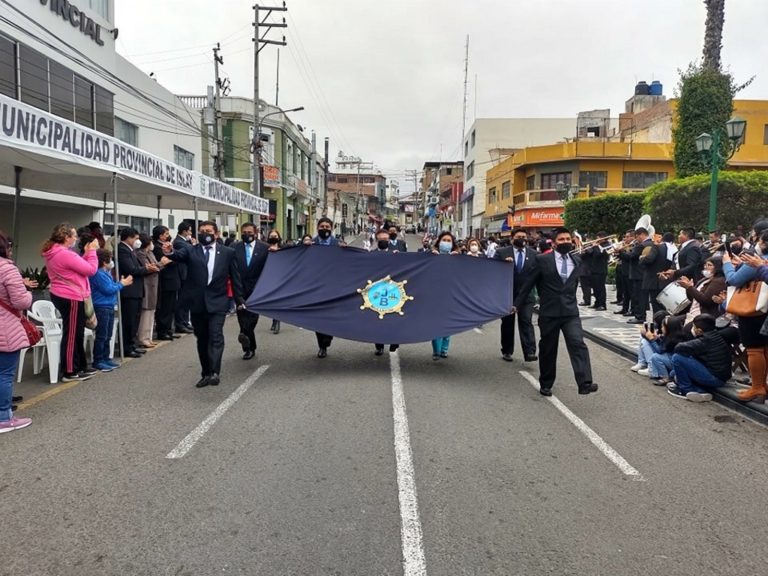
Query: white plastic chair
{"points": [[38, 354], [44, 312]]}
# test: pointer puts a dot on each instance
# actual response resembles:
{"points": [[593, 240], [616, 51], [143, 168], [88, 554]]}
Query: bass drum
{"points": [[674, 299]]}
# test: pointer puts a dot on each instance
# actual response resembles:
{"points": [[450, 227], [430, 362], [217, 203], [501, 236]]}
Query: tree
{"points": [[713, 34]]}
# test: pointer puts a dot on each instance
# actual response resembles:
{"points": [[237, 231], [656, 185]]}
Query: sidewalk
{"points": [[612, 331]]}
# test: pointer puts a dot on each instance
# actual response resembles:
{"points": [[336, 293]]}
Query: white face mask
{"points": [[474, 249], [707, 273], [111, 265], [137, 244]]}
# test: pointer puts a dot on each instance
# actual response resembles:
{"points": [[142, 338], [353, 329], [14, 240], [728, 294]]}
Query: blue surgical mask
{"points": [[446, 247]]}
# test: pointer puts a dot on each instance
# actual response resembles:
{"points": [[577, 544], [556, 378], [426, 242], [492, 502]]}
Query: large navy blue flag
{"points": [[380, 296]]}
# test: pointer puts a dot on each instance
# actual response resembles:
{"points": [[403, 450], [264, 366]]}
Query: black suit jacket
{"points": [[170, 280], [178, 244], [197, 293], [519, 277], [597, 260], [690, 261], [635, 272], [556, 298], [249, 275], [653, 260], [129, 266]]}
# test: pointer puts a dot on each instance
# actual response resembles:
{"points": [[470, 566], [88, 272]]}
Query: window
{"points": [[765, 134], [101, 7], [62, 91], [549, 181], [530, 182], [141, 224], [342, 180], [466, 148], [183, 158], [492, 195], [471, 171], [641, 180], [505, 188], [83, 102], [127, 132], [595, 180], [33, 77], [448, 171], [473, 138], [7, 68], [105, 110]]}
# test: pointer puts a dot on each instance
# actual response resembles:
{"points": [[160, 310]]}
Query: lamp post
{"points": [[566, 192], [709, 146], [256, 147]]}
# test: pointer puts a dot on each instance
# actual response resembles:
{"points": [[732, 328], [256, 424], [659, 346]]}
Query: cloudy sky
{"points": [[384, 79]]}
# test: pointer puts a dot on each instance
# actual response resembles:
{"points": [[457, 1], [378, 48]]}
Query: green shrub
{"points": [[613, 213]]}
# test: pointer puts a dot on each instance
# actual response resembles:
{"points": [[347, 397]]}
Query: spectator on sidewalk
{"points": [[147, 259], [648, 345], [183, 238], [701, 364], [104, 291], [170, 284], [14, 300], [660, 362], [702, 293]]}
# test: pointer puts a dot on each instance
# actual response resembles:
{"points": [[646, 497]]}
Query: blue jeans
{"points": [[440, 345], [106, 323], [8, 363], [692, 376], [645, 350], [660, 365]]}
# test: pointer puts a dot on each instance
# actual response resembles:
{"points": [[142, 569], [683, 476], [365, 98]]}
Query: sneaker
{"points": [[112, 364], [699, 396], [14, 424], [673, 390], [435, 356], [637, 367], [644, 372], [443, 354], [103, 367], [76, 377], [89, 371]]}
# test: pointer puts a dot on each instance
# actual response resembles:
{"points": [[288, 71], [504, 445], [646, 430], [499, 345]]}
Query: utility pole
{"points": [[325, 183], [218, 163], [259, 41], [277, 82], [464, 119]]}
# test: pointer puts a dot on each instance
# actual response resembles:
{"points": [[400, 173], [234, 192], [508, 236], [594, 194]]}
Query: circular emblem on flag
{"points": [[384, 296]]}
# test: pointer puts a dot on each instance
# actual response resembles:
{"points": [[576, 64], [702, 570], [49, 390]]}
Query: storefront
{"points": [[538, 218]]}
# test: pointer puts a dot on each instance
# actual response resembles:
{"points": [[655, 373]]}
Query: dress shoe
{"points": [[379, 351], [507, 357], [139, 351], [394, 347], [600, 308], [616, 302], [248, 354], [213, 380], [132, 354], [165, 337], [628, 314], [173, 336], [322, 353], [622, 312], [531, 358], [203, 382], [583, 303], [184, 330], [545, 391], [17, 398], [635, 321], [588, 389]]}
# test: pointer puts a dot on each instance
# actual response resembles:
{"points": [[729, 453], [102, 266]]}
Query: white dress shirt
{"points": [[571, 265], [211, 260]]}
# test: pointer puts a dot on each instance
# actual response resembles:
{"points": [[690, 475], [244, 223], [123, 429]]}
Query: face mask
{"points": [[518, 242], [307, 242], [707, 273], [137, 244], [736, 250], [383, 244], [445, 247], [111, 266], [206, 239], [393, 235], [474, 249], [564, 248], [324, 234], [247, 238], [273, 240]]}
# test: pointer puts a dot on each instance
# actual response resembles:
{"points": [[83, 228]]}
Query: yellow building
{"points": [[527, 179]]}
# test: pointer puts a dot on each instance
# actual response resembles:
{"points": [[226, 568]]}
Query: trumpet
{"points": [[712, 248], [596, 242]]}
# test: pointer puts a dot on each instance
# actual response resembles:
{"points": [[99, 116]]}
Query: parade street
{"points": [[296, 465]]}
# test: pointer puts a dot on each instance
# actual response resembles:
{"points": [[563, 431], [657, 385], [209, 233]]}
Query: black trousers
{"points": [[248, 321], [620, 287], [323, 340], [524, 326], [645, 296], [166, 309], [182, 311], [586, 289], [598, 289], [549, 330], [626, 294], [72, 349], [131, 309], [636, 295], [209, 331]]}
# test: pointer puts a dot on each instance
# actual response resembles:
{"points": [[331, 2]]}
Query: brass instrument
{"points": [[596, 242], [712, 248]]}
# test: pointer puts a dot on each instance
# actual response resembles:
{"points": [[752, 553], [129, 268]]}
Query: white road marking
{"points": [[479, 331], [411, 537], [593, 437], [193, 437]]}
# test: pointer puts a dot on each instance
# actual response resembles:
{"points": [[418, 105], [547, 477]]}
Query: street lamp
{"points": [[565, 191], [708, 146], [256, 147]]}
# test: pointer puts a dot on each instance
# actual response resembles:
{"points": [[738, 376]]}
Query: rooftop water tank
{"points": [[642, 89], [656, 88]]}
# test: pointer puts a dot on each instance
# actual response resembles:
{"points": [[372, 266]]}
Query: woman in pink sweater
{"points": [[69, 273], [13, 295]]}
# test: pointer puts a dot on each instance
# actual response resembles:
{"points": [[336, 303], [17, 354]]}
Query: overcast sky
{"points": [[384, 79]]}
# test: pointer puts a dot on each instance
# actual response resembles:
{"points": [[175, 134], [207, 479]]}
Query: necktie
{"points": [[519, 260], [564, 269], [207, 255], [247, 254]]}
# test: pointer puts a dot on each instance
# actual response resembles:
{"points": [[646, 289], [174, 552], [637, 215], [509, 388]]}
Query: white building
{"points": [[61, 79], [482, 145]]}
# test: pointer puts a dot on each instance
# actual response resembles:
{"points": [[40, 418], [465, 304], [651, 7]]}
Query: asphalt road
{"points": [[299, 476]]}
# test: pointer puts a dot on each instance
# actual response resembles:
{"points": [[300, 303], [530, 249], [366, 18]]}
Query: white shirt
{"points": [[490, 252], [671, 251], [211, 260], [570, 264]]}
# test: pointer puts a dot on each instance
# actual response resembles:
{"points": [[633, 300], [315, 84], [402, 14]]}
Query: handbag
{"points": [[748, 300], [90, 313], [33, 334]]}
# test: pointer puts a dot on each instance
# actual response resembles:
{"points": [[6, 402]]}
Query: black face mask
{"points": [[393, 235], [736, 250], [383, 244], [206, 239], [273, 240], [518, 242], [324, 234], [247, 238], [564, 248]]}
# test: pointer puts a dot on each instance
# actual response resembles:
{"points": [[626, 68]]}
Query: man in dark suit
{"points": [[524, 260], [324, 238], [624, 292], [689, 257], [653, 261], [170, 284], [555, 278], [183, 238], [383, 244], [131, 296], [397, 245], [597, 260], [250, 257], [636, 282], [209, 266]]}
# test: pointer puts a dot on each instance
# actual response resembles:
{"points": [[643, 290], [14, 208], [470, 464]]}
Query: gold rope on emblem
{"points": [[381, 310]]}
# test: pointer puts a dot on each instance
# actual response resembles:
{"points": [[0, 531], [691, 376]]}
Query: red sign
{"points": [[271, 176], [457, 189], [539, 217]]}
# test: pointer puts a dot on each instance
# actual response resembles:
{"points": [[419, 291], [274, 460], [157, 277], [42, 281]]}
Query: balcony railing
{"points": [[194, 101], [550, 197]]}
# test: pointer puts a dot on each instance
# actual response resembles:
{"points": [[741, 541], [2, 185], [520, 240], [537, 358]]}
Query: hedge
{"points": [[613, 213]]}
